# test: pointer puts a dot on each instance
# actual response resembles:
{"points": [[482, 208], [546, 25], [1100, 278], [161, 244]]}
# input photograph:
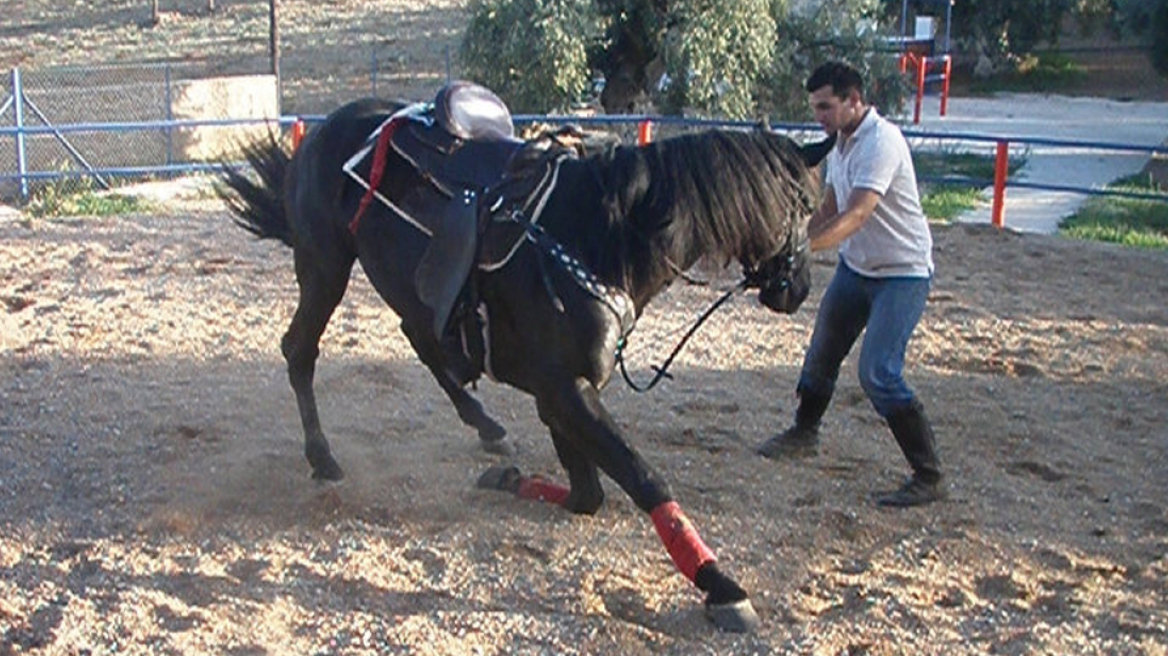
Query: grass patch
{"points": [[943, 201], [1128, 221], [1048, 72], [947, 202], [60, 199]]}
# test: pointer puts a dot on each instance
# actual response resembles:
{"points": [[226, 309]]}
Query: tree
{"points": [[999, 31], [533, 52], [727, 58]]}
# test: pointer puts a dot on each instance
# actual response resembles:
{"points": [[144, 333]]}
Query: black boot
{"points": [[802, 439], [914, 434]]}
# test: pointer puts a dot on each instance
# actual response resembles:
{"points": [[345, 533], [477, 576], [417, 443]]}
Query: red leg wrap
{"points": [[681, 539], [539, 489]]}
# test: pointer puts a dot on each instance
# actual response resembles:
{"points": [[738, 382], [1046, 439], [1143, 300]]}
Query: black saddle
{"points": [[463, 142], [460, 144]]}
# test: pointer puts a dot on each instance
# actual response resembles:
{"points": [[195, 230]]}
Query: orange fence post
{"points": [[297, 133], [644, 132], [922, 66], [1001, 170], [948, 70]]}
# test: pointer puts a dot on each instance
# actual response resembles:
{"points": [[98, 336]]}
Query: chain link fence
{"points": [[83, 125]]}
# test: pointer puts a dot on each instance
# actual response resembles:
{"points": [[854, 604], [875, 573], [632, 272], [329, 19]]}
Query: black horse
{"points": [[612, 231]]}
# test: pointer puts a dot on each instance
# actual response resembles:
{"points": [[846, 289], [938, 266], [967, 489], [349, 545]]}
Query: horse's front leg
{"points": [[492, 436], [575, 414]]}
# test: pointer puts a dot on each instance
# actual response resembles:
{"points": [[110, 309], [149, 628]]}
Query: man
{"points": [[871, 210]]}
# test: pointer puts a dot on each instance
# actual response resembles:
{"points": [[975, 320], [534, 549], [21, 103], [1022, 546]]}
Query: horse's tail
{"points": [[258, 207]]}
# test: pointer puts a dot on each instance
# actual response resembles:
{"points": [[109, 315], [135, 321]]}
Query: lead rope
{"points": [[663, 370]]}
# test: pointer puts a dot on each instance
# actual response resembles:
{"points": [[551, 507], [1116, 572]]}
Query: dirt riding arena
{"points": [[154, 497]]}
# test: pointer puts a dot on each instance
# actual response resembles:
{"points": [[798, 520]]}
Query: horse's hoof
{"points": [[502, 478], [499, 447], [329, 473], [733, 617]]}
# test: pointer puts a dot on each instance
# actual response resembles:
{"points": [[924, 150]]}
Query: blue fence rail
{"points": [[23, 175]]}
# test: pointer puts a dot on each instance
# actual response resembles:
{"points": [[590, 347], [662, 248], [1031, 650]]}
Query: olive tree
{"points": [[726, 58]]}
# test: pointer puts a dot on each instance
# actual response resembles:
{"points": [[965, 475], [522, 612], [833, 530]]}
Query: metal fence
{"points": [[81, 126], [40, 111]]}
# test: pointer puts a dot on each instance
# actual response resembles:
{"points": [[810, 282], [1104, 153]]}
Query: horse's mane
{"points": [[714, 196]]}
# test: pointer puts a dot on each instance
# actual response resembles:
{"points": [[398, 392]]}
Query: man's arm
{"points": [[828, 226]]}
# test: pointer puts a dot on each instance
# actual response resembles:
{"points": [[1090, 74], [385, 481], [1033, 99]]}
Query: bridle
{"points": [[756, 277], [752, 278]]}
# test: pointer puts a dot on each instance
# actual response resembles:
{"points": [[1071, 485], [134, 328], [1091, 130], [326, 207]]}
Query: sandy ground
{"points": [[154, 497]]}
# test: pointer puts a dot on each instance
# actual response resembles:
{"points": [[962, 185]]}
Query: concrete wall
{"points": [[245, 96]]}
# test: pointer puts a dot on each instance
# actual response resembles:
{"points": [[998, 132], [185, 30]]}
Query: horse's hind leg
{"points": [[470, 411], [322, 284]]}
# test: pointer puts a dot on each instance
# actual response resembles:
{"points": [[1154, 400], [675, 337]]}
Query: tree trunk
{"points": [[155, 18], [630, 69]]}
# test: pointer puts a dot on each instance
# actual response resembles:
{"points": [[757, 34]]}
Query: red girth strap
{"points": [[681, 539], [376, 170]]}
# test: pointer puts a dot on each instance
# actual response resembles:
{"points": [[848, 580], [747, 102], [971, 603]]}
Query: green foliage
{"points": [[533, 53], [832, 30], [944, 203], [1128, 221], [1043, 73], [70, 198], [720, 58], [1006, 27], [717, 57]]}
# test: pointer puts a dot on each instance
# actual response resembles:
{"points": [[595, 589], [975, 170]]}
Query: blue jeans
{"points": [[889, 308]]}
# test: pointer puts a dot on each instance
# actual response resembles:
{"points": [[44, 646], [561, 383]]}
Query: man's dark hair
{"points": [[839, 76]]}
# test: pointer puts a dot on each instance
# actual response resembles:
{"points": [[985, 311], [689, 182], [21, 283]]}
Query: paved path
{"points": [[1051, 117]]}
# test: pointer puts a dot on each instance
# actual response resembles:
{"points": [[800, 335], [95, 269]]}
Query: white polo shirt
{"points": [[895, 240]]}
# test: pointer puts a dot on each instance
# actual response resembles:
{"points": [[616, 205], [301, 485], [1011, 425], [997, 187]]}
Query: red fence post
{"points": [[948, 70], [922, 67], [1001, 170], [644, 132], [297, 133]]}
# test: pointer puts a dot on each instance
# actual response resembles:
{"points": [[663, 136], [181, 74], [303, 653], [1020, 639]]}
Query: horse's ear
{"points": [[814, 153]]}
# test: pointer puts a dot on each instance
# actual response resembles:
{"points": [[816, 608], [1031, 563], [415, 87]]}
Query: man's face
{"points": [[835, 113]]}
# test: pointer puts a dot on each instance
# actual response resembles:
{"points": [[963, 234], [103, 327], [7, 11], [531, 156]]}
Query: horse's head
{"points": [[784, 280]]}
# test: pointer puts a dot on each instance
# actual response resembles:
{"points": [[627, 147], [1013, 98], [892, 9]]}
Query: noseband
{"points": [[756, 276]]}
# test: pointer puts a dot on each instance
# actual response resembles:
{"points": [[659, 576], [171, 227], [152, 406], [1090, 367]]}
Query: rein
{"points": [[663, 370]]}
